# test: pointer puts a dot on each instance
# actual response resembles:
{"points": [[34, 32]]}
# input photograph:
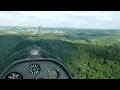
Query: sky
{"points": [[70, 19]]}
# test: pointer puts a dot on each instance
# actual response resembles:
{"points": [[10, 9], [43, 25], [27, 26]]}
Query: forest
{"points": [[84, 61]]}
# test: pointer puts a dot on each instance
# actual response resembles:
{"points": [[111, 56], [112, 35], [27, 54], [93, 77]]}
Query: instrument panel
{"points": [[36, 69]]}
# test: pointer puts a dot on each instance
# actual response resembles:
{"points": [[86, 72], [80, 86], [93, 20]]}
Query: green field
{"points": [[106, 40]]}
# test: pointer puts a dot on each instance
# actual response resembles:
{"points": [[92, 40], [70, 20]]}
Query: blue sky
{"points": [[71, 19]]}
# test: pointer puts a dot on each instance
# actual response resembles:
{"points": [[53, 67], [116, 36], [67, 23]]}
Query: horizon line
{"points": [[56, 27]]}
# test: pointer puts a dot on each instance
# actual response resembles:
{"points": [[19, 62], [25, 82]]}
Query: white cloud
{"points": [[92, 15], [81, 19]]}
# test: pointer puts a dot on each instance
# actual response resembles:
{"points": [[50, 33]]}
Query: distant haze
{"points": [[70, 19]]}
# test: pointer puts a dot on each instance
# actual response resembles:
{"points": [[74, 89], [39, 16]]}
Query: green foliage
{"points": [[84, 61]]}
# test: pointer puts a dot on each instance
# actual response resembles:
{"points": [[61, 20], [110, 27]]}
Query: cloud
{"points": [[75, 19]]}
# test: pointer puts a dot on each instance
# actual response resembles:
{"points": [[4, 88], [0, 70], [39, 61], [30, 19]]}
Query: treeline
{"points": [[84, 61]]}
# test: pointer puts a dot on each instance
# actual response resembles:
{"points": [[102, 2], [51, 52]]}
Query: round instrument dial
{"points": [[53, 74], [14, 75], [34, 69]]}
